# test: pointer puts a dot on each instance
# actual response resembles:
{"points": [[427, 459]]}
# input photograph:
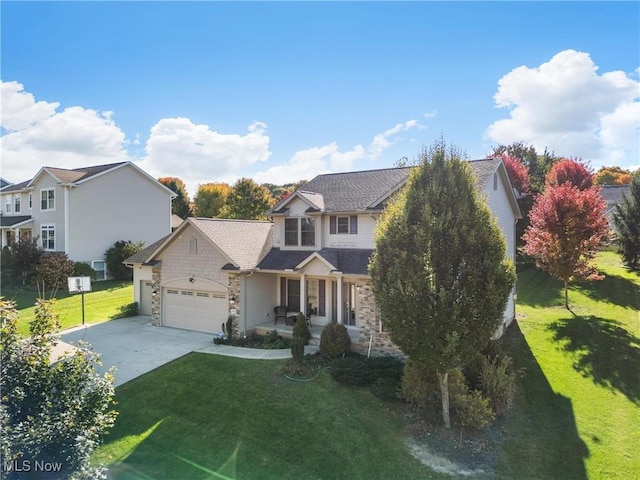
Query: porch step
{"points": [[314, 341]]}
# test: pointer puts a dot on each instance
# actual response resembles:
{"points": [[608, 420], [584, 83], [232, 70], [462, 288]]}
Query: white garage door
{"points": [[145, 297], [195, 310]]}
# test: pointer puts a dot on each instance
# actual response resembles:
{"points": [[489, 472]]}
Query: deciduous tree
{"points": [[439, 271], [210, 199], [181, 205], [626, 219], [21, 260], [52, 272], [518, 174], [54, 413], [567, 225], [571, 171], [613, 175], [248, 200]]}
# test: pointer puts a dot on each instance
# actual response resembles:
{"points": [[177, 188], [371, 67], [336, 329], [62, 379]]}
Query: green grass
{"points": [[101, 304], [577, 412], [242, 419]]}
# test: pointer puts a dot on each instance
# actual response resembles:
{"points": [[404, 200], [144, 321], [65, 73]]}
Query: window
{"points": [[11, 238], [47, 199], [30, 201], [308, 232], [290, 293], [193, 246], [291, 231], [48, 237], [343, 225], [7, 207], [100, 266], [17, 206]]}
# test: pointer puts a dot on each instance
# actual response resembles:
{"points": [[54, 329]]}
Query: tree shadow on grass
{"points": [[613, 289], [606, 352], [538, 289], [544, 440]]}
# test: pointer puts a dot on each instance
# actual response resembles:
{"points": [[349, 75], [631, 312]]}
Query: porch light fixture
{"points": [[192, 280], [232, 300]]}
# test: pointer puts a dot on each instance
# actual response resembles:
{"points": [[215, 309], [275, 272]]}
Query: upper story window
{"points": [[300, 231], [17, 204], [30, 201], [343, 224], [47, 199], [48, 237], [7, 205]]}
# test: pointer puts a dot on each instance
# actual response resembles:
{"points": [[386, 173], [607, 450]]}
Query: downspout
{"points": [[243, 295], [66, 219]]}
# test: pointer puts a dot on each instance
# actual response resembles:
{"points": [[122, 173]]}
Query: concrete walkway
{"points": [[136, 347]]}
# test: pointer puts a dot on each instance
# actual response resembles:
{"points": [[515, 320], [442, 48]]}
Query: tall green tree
{"points": [[118, 253], [50, 412], [439, 271], [567, 224], [248, 200], [19, 261], [210, 200], [181, 205], [626, 219]]}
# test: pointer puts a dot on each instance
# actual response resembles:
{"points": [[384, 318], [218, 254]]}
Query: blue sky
{"points": [[212, 91]]}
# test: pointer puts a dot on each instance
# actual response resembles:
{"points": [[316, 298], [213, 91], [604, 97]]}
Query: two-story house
{"points": [[315, 261], [83, 211]]}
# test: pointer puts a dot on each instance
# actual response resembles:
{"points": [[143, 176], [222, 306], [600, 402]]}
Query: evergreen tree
{"points": [[439, 271], [626, 219]]}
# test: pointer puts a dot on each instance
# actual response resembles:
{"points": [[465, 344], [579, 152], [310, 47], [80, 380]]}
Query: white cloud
{"points": [[564, 105], [20, 109], [197, 154], [40, 136], [306, 164]]}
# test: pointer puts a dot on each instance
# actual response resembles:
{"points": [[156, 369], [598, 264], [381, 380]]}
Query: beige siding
{"points": [[120, 205], [363, 239], [297, 209], [259, 294], [141, 273], [178, 261]]}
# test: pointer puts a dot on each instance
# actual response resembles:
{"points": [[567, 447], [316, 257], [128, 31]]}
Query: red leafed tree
{"points": [[518, 174], [567, 224], [570, 171]]}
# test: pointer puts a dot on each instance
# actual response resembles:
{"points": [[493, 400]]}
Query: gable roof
{"points": [[351, 191], [352, 261], [16, 187], [14, 220], [243, 242], [613, 194], [141, 257], [65, 175]]}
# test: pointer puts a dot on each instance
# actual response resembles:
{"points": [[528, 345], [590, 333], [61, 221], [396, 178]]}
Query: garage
{"points": [[204, 311], [145, 297]]}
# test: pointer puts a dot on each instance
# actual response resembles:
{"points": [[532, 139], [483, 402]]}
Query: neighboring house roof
{"points": [[14, 220], [4, 183], [349, 192], [16, 187], [613, 195], [243, 242], [176, 221], [348, 261]]}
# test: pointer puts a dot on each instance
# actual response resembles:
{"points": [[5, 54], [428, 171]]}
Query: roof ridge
{"points": [[361, 171], [238, 220]]}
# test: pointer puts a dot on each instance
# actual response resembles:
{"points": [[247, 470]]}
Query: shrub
{"points": [[472, 410], [351, 370], [229, 328], [128, 310], [114, 257], [386, 388], [83, 269], [497, 382], [334, 340], [301, 336]]}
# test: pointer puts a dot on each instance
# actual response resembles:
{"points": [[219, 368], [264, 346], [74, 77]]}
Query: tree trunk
{"points": [[566, 295], [444, 392]]}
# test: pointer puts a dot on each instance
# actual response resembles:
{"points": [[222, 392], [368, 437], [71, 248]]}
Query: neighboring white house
{"points": [[314, 259], [83, 211]]}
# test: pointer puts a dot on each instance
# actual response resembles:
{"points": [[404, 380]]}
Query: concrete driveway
{"points": [[134, 346]]}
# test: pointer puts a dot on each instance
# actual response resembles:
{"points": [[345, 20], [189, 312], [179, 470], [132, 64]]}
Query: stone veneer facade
{"points": [[156, 295], [369, 322], [234, 292]]}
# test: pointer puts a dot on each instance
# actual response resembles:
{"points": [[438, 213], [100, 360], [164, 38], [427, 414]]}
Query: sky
{"points": [[283, 91]]}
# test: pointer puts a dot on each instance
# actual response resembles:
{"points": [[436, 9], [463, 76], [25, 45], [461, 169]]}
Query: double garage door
{"points": [[204, 311]]}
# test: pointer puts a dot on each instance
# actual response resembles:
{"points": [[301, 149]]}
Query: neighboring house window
{"points": [[48, 237], [343, 225], [308, 232], [7, 207], [100, 266], [11, 238], [291, 231], [299, 231], [17, 206], [193, 246], [47, 199], [30, 201]]}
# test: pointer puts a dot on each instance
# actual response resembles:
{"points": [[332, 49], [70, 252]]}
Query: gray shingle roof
{"points": [[77, 174], [612, 194], [346, 260], [243, 241], [15, 187], [484, 169], [12, 220], [143, 255]]}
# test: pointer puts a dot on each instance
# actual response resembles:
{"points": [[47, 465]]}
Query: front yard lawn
{"points": [[204, 416], [101, 304], [577, 412]]}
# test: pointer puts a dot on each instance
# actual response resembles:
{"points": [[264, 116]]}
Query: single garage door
{"points": [[145, 297], [204, 311]]}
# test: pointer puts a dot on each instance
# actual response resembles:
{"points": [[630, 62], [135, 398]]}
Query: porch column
{"points": [[339, 302], [303, 293]]}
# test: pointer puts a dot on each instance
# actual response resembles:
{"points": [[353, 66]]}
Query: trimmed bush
{"points": [[83, 269], [334, 340], [128, 310], [386, 388], [472, 410], [301, 336]]}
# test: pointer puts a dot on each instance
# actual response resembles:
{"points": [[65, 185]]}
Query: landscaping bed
{"points": [[273, 341]]}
